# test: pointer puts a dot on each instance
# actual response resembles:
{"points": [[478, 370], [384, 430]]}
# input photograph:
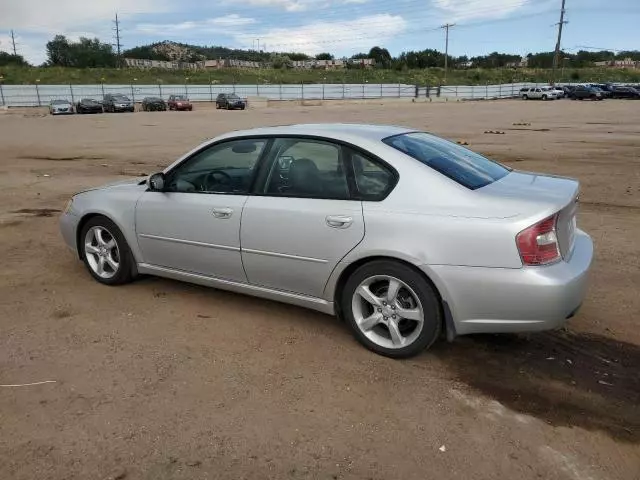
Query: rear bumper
{"points": [[503, 300]]}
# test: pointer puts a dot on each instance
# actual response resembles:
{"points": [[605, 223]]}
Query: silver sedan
{"points": [[404, 235]]}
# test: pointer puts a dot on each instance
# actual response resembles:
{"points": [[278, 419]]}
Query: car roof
{"points": [[338, 131]]}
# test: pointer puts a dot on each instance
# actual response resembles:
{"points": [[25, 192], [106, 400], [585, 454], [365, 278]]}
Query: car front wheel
{"points": [[105, 252], [391, 309]]}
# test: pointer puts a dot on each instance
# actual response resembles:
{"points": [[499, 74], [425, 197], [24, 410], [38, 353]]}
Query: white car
{"points": [[60, 107], [539, 93]]}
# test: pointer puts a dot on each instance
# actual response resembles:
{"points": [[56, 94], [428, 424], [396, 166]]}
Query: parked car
{"points": [[539, 93], [179, 102], [567, 90], [580, 92], [625, 92], [60, 107], [603, 90], [117, 103], [153, 104], [559, 91], [280, 213], [230, 101], [89, 105]]}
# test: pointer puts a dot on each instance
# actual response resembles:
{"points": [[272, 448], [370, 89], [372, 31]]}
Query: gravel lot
{"points": [[163, 380]]}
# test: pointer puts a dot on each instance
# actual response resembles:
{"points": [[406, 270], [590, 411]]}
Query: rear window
{"points": [[459, 164]]}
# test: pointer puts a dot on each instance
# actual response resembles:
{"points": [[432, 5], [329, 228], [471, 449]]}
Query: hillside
{"points": [[13, 75], [168, 50]]}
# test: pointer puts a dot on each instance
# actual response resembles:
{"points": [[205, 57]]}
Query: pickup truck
{"points": [[539, 93]]}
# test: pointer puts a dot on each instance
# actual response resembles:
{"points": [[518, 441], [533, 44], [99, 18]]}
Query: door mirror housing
{"points": [[156, 182]]}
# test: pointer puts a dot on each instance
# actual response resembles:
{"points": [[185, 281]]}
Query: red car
{"points": [[179, 102]]}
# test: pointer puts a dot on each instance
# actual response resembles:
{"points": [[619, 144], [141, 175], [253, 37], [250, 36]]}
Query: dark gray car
{"points": [[117, 103]]}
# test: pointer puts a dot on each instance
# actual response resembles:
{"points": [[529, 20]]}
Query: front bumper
{"points": [[68, 227], [128, 108], [504, 300]]}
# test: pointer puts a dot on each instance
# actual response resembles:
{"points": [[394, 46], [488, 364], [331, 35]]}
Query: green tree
{"points": [[280, 61], [381, 56], [324, 56], [85, 53], [8, 59]]}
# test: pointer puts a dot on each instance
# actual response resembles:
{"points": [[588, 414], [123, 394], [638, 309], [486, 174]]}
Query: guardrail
{"points": [[41, 95]]}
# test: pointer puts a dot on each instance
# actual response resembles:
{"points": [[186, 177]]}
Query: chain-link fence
{"points": [[41, 95]]}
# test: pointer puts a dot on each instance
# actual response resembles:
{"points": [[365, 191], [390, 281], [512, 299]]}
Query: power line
{"points": [[556, 56], [446, 27], [118, 45]]}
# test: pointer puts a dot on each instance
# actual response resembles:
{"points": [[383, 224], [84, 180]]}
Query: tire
{"points": [[415, 296], [120, 254], [525, 97], [544, 97]]}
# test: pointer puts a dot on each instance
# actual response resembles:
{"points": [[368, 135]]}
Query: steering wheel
{"points": [[209, 181]]}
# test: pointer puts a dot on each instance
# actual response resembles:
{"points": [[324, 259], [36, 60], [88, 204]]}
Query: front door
{"points": [[194, 225], [301, 221]]}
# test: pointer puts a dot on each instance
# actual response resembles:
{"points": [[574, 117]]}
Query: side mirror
{"points": [[156, 182]]}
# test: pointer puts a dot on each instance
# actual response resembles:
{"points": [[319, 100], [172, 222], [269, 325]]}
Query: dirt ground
{"points": [[164, 380]]}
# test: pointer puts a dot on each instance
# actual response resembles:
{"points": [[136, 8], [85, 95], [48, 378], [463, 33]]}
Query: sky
{"points": [[341, 27]]}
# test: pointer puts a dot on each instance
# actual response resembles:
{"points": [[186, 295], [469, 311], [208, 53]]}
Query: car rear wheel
{"points": [[544, 97], [525, 97], [105, 252], [391, 309]]}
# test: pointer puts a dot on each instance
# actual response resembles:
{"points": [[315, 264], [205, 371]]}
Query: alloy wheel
{"points": [[102, 252], [387, 311]]}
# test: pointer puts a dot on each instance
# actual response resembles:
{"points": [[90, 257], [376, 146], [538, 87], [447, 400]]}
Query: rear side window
{"points": [[459, 164], [373, 181]]}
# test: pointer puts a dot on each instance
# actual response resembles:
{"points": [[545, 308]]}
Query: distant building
{"points": [[626, 63], [523, 63], [231, 63], [167, 65]]}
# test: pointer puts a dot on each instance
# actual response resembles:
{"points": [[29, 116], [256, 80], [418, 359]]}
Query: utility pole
{"points": [[13, 42], [556, 57], [446, 27], [118, 45]]}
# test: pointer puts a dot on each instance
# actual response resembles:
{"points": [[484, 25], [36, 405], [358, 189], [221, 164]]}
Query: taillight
{"points": [[538, 244]]}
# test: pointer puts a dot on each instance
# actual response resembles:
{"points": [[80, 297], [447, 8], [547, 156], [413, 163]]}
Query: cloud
{"points": [[457, 10], [218, 25], [294, 5], [56, 16], [341, 36]]}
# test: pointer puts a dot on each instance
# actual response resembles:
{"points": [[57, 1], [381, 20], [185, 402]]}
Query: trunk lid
{"points": [[538, 196]]}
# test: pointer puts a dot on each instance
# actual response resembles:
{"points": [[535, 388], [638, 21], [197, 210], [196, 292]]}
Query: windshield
{"points": [[180, 97], [59, 102], [233, 97], [120, 98], [459, 164]]}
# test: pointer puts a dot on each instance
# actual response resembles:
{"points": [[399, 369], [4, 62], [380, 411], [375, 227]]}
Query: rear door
{"points": [[301, 220]]}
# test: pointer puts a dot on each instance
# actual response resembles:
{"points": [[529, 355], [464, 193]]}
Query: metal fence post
{"points": [[1, 94], [186, 90], [280, 91], [73, 100], [323, 91], [302, 90], [500, 91], [343, 91], [512, 88], [102, 85], [210, 93], [486, 91], [38, 94], [133, 95], [399, 94], [363, 91], [381, 91], [160, 90], [257, 90]]}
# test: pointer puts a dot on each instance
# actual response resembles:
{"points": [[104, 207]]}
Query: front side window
{"points": [[458, 163], [223, 168], [306, 168]]}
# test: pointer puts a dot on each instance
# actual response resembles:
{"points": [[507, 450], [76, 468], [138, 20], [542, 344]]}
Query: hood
{"points": [[128, 183], [526, 193]]}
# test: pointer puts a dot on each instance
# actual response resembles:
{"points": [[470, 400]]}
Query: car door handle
{"points": [[222, 212], [339, 221]]}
